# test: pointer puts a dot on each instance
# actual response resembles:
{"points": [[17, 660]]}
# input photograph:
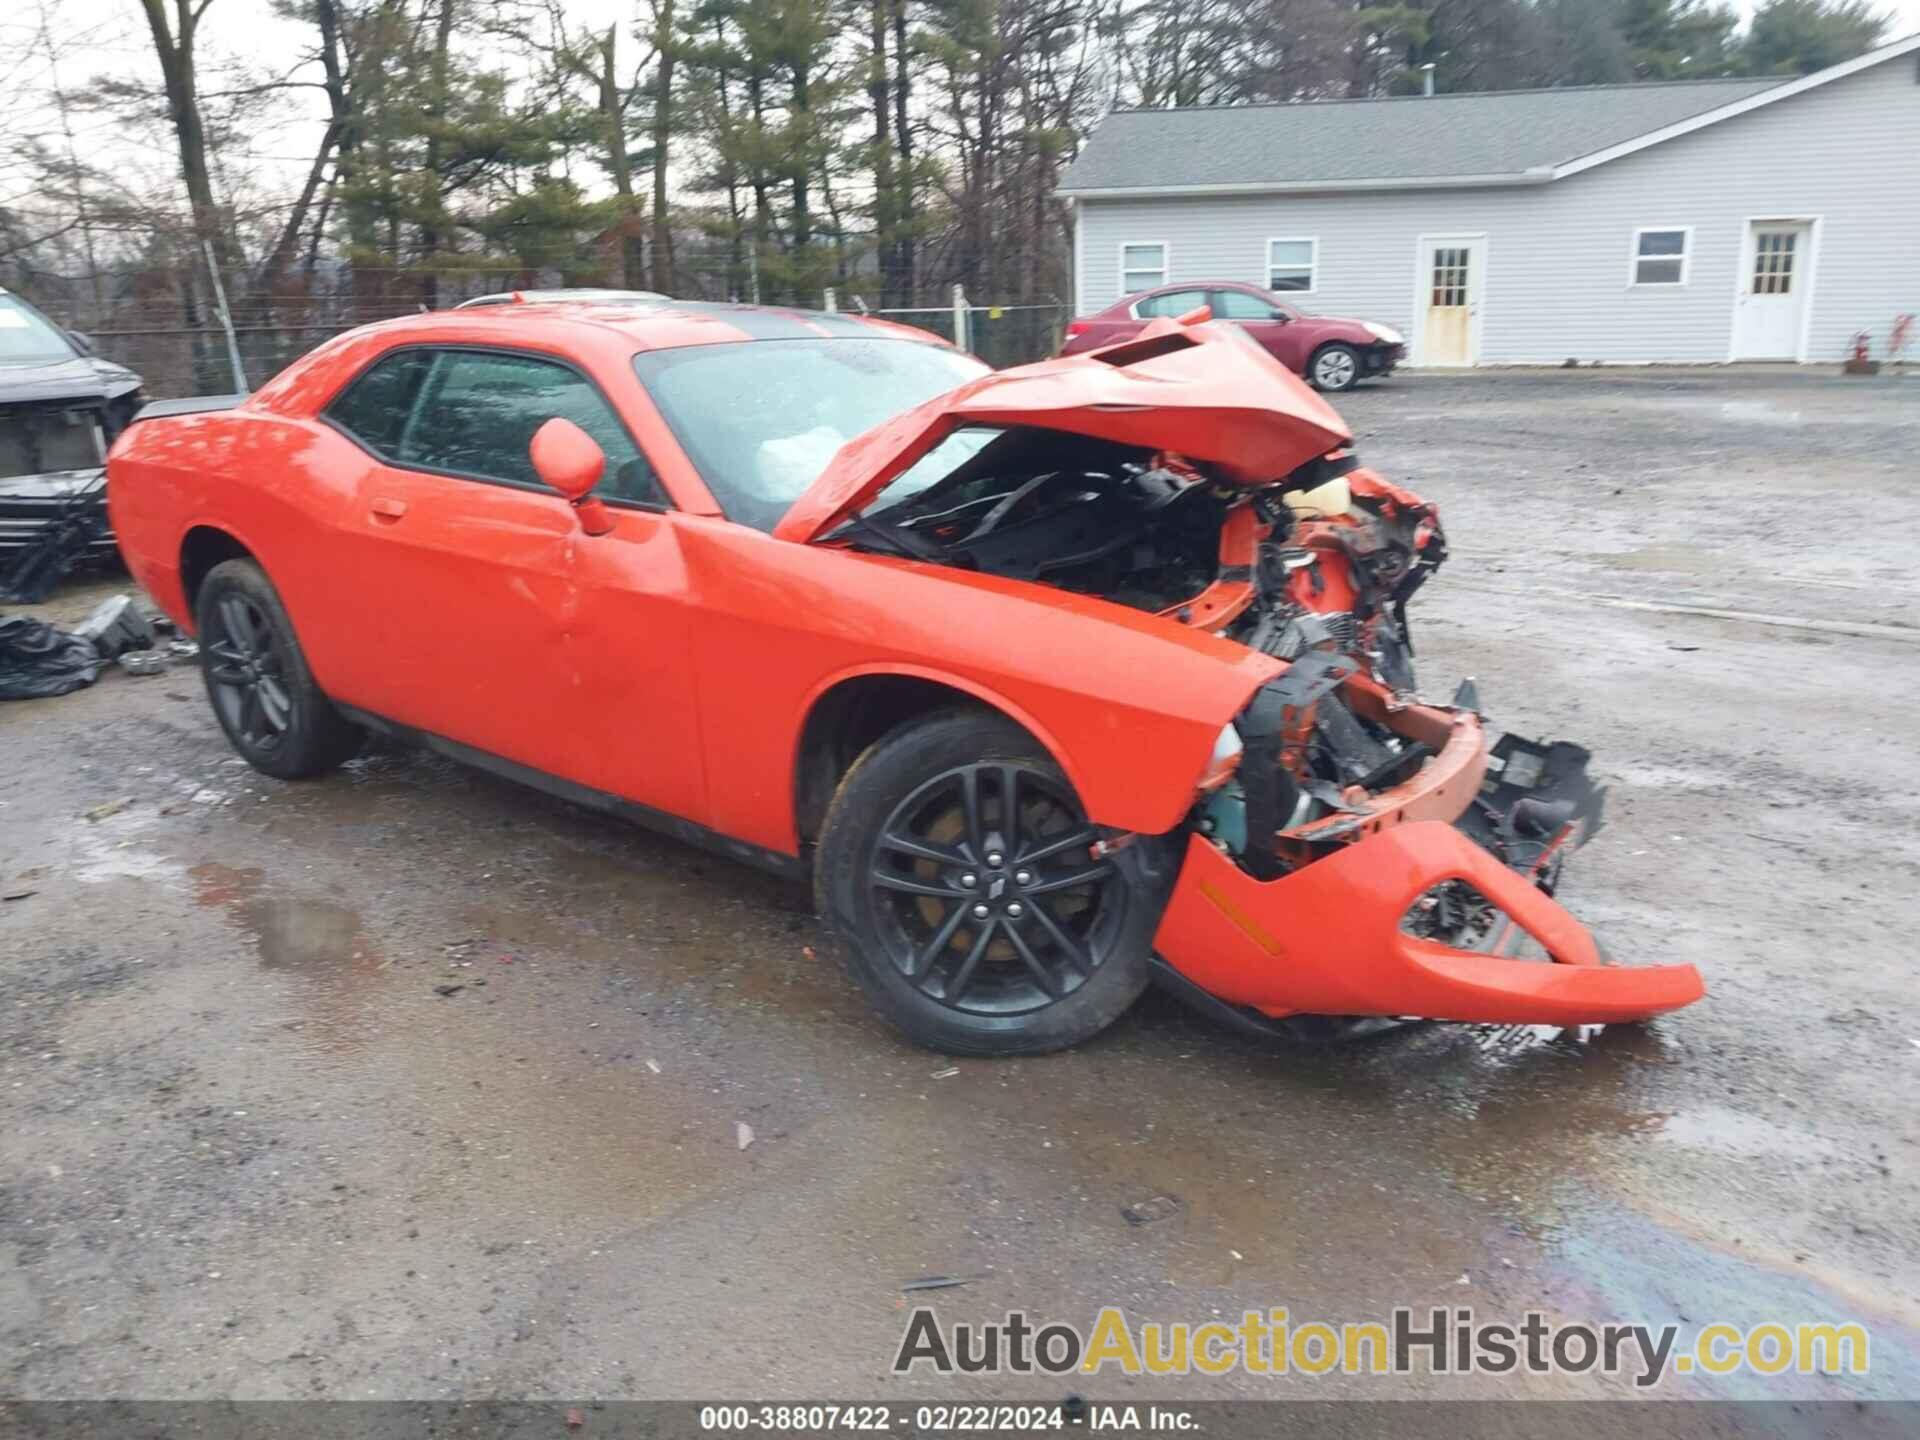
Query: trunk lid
{"points": [[1204, 391]]}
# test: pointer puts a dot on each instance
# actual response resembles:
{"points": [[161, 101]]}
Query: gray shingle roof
{"points": [[1347, 142]]}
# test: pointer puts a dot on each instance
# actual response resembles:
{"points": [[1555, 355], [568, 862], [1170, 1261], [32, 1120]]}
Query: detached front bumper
{"points": [[1328, 938]]}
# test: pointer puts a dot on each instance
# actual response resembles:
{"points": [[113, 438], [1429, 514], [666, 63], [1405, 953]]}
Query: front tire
{"points": [[1334, 368], [264, 696], [955, 876]]}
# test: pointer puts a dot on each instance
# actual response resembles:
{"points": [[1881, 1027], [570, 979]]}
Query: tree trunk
{"points": [[434, 220], [885, 228], [663, 117], [336, 137], [606, 81], [173, 43], [802, 219], [903, 215]]}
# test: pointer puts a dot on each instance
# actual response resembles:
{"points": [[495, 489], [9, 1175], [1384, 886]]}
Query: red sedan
{"points": [[1054, 679], [1331, 353]]}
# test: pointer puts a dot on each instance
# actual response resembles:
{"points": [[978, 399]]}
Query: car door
{"points": [[1267, 323], [493, 620]]}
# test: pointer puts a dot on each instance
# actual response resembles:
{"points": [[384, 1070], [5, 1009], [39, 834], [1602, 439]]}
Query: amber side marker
{"points": [[1255, 930]]}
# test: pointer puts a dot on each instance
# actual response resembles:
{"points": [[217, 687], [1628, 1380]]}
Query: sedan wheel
{"points": [[1335, 368], [957, 872], [244, 673], [990, 902], [263, 695]]}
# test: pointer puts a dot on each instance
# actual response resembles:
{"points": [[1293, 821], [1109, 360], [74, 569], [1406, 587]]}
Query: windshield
{"points": [[26, 338], [760, 419]]}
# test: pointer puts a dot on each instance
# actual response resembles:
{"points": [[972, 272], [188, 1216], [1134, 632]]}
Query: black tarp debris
{"points": [[37, 660]]}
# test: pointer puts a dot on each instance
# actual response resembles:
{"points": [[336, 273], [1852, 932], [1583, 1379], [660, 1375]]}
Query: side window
{"points": [[1174, 302], [474, 413], [374, 408], [1239, 305], [480, 411]]}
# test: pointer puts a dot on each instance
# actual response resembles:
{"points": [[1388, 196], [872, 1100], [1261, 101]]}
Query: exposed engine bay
{"points": [[1316, 569]]}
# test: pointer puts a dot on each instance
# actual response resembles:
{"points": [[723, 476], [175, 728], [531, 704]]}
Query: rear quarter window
{"points": [[375, 407]]}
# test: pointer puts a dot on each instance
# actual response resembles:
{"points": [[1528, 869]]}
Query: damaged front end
{"points": [[1358, 852], [1354, 850]]}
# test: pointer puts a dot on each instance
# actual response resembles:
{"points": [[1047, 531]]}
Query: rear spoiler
{"points": [[192, 405]]}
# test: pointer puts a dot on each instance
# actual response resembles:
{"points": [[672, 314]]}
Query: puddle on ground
{"points": [[1721, 1131], [1619, 1263], [318, 942]]}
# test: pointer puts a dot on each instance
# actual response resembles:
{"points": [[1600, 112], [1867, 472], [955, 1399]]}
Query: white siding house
{"points": [[1697, 222]]}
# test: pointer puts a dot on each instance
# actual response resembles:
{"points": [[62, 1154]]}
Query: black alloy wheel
{"points": [[264, 696], [245, 673], [964, 886], [991, 901]]}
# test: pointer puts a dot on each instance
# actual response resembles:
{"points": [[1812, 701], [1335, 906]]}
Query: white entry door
{"points": [[1450, 271], [1768, 320]]}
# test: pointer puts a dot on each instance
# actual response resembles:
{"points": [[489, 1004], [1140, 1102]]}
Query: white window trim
{"points": [[1166, 266], [1685, 257], [1313, 265]]}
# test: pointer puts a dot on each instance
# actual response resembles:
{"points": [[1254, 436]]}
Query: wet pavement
{"points": [[410, 1083]]}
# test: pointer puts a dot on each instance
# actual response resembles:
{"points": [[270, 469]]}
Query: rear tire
{"points": [[920, 840], [264, 696]]}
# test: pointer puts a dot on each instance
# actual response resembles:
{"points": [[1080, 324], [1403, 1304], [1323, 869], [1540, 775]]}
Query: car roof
{"points": [[662, 324], [522, 297]]}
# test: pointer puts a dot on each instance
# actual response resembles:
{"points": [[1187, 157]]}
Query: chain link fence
{"points": [[166, 323]]}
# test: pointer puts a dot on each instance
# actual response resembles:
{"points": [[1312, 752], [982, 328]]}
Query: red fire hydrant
{"points": [[1861, 362]]}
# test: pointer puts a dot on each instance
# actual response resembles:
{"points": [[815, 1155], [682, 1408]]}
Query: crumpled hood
{"points": [[1204, 391], [80, 378]]}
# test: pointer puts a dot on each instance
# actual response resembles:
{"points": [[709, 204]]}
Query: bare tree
{"points": [[174, 42]]}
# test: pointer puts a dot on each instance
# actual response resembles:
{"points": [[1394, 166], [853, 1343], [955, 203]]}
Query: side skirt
{"points": [[690, 832]]}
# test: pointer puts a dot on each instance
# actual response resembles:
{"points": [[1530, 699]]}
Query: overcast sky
{"points": [[109, 37]]}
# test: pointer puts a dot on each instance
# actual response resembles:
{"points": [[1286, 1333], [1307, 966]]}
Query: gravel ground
{"points": [[409, 1083]]}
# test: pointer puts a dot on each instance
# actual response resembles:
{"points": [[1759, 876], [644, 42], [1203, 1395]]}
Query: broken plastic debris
{"points": [[1145, 1212], [111, 807], [654, 1066], [145, 662], [937, 1282], [946, 1074], [743, 1133]]}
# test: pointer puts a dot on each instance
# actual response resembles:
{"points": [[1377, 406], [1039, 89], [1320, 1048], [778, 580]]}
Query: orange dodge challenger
{"points": [[1057, 679]]}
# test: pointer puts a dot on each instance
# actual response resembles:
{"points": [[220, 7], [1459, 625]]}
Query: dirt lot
{"points": [[411, 1083]]}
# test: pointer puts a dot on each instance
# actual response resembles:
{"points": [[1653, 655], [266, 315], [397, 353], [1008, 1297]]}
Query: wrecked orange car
{"points": [[1055, 679]]}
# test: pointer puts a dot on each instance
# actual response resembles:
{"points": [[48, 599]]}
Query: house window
{"points": [[1143, 265], [1291, 264], [1660, 256]]}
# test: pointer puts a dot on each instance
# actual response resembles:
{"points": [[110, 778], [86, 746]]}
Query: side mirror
{"points": [[567, 458], [82, 342]]}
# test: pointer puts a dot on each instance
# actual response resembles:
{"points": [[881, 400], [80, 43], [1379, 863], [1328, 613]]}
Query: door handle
{"points": [[384, 509]]}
